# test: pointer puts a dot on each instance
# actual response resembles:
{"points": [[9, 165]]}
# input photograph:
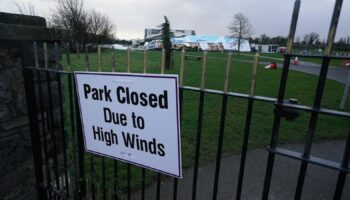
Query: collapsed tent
{"points": [[115, 46], [212, 42]]}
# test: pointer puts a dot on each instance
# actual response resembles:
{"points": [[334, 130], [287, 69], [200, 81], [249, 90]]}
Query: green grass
{"points": [[300, 86]]}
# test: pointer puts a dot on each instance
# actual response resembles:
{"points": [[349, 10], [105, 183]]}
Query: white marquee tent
{"points": [[206, 41]]}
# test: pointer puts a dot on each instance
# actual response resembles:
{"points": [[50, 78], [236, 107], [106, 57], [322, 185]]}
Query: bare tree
{"points": [[240, 28], [25, 8], [311, 39], [100, 27], [71, 16], [83, 26]]}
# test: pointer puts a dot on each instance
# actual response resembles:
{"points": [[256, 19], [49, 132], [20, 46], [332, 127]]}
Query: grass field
{"points": [[300, 86]]}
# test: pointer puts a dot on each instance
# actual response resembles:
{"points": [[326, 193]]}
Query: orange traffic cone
{"points": [[296, 61], [271, 66]]}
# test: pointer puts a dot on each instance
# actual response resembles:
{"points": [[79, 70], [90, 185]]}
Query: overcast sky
{"points": [[271, 17]]}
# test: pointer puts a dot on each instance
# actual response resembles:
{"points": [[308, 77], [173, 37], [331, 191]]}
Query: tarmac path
{"points": [[319, 183]]}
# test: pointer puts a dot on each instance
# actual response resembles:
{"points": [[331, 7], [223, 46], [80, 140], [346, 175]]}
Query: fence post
{"points": [[81, 168], [33, 122], [182, 66], [129, 60], [145, 61]]}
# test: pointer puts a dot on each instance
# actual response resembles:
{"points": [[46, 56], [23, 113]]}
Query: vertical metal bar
{"points": [[128, 181], [158, 186], [312, 126], [275, 128], [103, 179], [87, 63], [222, 127], [99, 58], [44, 130], [342, 175], [247, 129], [199, 126], [115, 179], [277, 119], [33, 123], [129, 59], [318, 97], [293, 26], [92, 172], [158, 174], [143, 175], [72, 123], [182, 67], [51, 119], [82, 183], [113, 61], [145, 61], [42, 116], [333, 26], [60, 100]]}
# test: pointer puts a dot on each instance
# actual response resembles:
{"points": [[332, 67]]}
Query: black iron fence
{"points": [[64, 171]]}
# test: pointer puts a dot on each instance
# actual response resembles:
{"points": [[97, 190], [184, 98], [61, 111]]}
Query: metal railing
{"points": [[64, 171]]}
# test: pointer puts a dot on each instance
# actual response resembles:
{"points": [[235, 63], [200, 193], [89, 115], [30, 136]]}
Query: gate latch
{"points": [[289, 114]]}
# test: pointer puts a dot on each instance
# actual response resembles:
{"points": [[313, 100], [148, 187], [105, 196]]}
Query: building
{"points": [[156, 34], [266, 48]]}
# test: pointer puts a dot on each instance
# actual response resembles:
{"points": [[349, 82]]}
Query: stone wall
{"points": [[17, 179]]}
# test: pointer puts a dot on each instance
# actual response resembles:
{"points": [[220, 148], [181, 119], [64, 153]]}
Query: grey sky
{"points": [[271, 17]]}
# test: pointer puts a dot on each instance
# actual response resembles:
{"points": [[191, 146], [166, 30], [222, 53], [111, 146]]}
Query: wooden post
{"points": [[87, 63], [77, 49], [346, 92], [145, 61], [36, 55], [45, 55], [99, 58], [227, 74], [182, 67], [56, 56], [163, 61], [204, 69], [129, 58], [255, 68], [113, 60]]}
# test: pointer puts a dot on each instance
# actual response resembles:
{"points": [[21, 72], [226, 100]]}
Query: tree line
{"points": [[76, 24], [241, 28]]}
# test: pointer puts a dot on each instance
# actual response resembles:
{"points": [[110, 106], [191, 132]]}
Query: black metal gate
{"points": [[64, 171]]}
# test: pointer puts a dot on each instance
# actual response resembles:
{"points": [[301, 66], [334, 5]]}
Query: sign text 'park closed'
{"points": [[132, 117]]}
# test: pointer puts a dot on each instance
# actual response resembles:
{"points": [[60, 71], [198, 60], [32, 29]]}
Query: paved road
{"points": [[334, 73], [319, 183]]}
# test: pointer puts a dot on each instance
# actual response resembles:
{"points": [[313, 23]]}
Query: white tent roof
{"points": [[228, 43]]}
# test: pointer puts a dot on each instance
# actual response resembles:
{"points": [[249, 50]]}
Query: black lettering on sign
{"points": [[125, 96], [115, 118], [97, 94], [134, 142], [109, 137]]}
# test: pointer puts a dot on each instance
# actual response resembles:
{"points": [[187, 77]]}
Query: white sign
{"points": [[132, 117]]}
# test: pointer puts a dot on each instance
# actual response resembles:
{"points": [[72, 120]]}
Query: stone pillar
{"points": [[17, 179]]}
